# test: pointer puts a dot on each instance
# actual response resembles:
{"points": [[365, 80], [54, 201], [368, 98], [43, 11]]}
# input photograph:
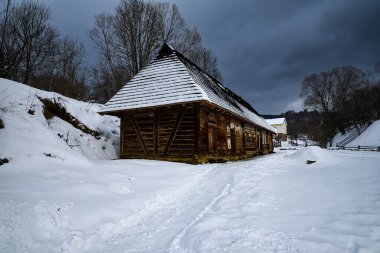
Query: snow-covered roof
{"points": [[171, 79], [276, 121]]}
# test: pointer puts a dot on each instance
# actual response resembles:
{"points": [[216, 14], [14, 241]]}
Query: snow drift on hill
{"points": [[370, 137], [28, 133], [339, 136]]}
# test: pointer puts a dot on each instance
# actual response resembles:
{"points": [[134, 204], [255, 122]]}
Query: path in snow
{"points": [[274, 203], [155, 231], [167, 228], [232, 210]]}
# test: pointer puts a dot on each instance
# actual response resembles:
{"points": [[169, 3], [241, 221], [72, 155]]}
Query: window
{"points": [[249, 137], [228, 137], [229, 144], [264, 138]]}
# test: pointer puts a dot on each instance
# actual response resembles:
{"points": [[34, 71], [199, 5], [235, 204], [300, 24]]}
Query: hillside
{"points": [[370, 137], [45, 124]]}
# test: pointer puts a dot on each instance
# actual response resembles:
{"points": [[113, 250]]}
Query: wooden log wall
{"points": [[190, 133], [159, 133], [223, 136]]}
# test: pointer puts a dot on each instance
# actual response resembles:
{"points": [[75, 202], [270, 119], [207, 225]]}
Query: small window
{"points": [[229, 144], [264, 138], [249, 137]]}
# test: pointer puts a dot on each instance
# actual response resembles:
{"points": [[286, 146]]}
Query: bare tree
{"points": [[206, 60], [10, 48], [174, 31], [64, 72], [68, 60], [27, 39], [340, 95], [318, 90], [129, 39], [110, 72], [137, 29]]}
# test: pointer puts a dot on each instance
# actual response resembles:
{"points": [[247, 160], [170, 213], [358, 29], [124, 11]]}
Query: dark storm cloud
{"points": [[266, 48], [75, 17]]}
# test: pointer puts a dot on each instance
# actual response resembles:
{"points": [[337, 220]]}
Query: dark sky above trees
{"points": [[265, 48]]}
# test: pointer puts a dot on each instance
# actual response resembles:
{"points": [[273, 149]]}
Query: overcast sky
{"points": [[265, 48]]}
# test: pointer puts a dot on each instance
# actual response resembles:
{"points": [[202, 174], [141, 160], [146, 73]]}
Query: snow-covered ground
{"points": [[76, 200], [370, 137], [339, 136]]}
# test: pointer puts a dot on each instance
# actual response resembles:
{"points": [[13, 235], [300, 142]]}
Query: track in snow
{"points": [[164, 228], [156, 231]]}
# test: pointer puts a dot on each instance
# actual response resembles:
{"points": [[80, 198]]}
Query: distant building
{"points": [[281, 127], [173, 110]]}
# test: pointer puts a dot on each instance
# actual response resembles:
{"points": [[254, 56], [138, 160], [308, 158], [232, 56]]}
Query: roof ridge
{"points": [[167, 49]]}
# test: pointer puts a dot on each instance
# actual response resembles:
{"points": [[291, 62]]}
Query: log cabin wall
{"points": [[193, 133], [164, 133], [223, 137]]}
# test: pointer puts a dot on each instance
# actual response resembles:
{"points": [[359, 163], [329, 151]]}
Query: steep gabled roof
{"points": [[171, 79]]}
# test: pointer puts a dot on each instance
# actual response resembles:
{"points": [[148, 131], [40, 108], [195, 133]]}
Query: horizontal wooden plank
{"points": [[184, 144], [180, 151], [185, 139]]}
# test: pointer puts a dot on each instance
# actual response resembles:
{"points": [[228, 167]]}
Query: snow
{"points": [[313, 153], [276, 121], [80, 200], [340, 137], [43, 136], [370, 137]]}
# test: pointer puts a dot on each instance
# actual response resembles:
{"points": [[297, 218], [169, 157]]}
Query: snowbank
{"points": [[370, 137], [313, 153], [27, 132]]}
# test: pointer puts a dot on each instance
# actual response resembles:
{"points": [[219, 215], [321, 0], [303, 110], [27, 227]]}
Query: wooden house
{"points": [[173, 110], [281, 127]]}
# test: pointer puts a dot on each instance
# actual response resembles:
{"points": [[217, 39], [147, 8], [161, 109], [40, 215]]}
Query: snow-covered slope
{"points": [[339, 136], [28, 133], [370, 137]]}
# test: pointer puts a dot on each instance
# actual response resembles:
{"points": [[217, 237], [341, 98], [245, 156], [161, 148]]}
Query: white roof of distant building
{"points": [[171, 79], [276, 121]]}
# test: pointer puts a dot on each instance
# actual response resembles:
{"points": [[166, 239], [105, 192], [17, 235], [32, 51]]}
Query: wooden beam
{"points": [[122, 140], [174, 131], [155, 132], [139, 135], [197, 128]]}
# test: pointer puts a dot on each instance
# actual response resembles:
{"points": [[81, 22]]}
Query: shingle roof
{"points": [[170, 79]]}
